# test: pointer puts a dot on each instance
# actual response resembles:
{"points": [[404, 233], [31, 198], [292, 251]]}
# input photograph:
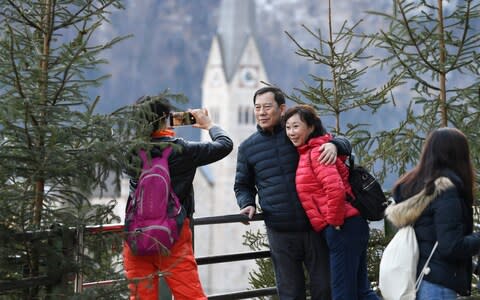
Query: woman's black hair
{"points": [[159, 109], [308, 115], [444, 149]]}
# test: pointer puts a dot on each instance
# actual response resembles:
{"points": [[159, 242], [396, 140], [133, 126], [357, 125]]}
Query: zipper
{"points": [[153, 227]]}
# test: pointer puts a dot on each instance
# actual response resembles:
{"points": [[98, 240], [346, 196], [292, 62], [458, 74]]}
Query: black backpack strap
{"points": [[351, 161]]}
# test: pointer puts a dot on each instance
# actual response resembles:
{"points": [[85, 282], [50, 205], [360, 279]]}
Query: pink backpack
{"points": [[154, 215]]}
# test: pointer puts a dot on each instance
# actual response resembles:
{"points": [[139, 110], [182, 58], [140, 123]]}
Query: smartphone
{"points": [[182, 118]]}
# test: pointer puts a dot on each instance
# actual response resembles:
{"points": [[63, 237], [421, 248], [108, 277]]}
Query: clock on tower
{"points": [[248, 76], [216, 77]]}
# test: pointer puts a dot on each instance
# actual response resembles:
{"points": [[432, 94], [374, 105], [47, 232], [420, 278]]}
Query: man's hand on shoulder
{"points": [[328, 154]]}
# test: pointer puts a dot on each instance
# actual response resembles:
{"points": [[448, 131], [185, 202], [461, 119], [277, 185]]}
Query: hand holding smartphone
{"points": [[182, 118]]}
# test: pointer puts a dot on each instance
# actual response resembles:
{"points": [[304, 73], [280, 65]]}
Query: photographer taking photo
{"points": [[179, 267]]}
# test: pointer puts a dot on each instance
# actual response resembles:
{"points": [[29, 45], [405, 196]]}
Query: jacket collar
{"points": [[276, 129], [408, 211], [314, 142], [162, 133]]}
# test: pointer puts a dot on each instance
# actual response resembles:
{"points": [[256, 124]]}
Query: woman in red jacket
{"points": [[322, 189]]}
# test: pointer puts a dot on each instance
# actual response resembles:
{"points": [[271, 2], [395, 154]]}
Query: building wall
{"points": [[231, 106]]}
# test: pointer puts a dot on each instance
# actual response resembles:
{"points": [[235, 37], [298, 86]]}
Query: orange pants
{"points": [[179, 270]]}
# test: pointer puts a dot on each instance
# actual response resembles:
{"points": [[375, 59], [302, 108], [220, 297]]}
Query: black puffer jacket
{"points": [[266, 164], [184, 160], [443, 217]]}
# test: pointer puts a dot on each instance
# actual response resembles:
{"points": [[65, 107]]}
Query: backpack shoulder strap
{"points": [[351, 161], [148, 162], [166, 152]]}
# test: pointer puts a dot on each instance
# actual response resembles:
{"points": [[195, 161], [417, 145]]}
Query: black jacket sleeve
{"points": [[244, 186], [343, 145], [204, 153]]}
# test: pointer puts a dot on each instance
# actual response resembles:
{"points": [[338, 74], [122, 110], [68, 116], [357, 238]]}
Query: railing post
{"points": [[79, 250], [164, 290]]}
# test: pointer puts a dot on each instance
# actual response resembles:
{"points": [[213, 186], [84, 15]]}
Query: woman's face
{"points": [[297, 130]]}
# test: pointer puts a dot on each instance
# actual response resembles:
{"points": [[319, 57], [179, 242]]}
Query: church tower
{"points": [[233, 73], [234, 69]]}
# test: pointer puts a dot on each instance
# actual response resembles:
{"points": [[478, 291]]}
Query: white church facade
{"points": [[233, 72]]}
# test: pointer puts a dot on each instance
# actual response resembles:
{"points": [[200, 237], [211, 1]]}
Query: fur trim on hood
{"points": [[408, 211]]}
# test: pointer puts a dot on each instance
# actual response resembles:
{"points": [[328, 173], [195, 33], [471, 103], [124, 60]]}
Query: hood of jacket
{"points": [[408, 211]]}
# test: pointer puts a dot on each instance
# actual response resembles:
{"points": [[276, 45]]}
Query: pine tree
{"points": [[54, 148], [338, 90], [436, 45]]}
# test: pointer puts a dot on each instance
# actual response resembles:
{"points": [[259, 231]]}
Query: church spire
{"points": [[236, 25]]}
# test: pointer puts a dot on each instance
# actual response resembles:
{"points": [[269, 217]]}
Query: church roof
{"points": [[236, 25]]}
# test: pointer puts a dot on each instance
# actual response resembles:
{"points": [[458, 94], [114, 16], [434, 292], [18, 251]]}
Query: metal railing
{"points": [[78, 249], [79, 285]]}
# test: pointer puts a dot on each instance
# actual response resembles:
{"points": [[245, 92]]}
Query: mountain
{"points": [[171, 40]]}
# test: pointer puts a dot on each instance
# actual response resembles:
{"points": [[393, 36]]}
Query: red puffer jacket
{"points": [[322, 188]]}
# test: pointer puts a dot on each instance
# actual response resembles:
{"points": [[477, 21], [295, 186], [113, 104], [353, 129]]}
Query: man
{"points": [[266, 164], [179, 268]]}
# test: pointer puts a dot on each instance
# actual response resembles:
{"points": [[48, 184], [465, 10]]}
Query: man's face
{"points": [[267, 112]]}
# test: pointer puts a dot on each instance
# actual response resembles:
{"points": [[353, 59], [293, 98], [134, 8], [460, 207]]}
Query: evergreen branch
{"points": [[305, 51], [64, 80], [413, 39], [14, 65], [395, 81], [411, 72], [464, 37], [429, 6], [24, 17], [318, 37], [34, 122], [74, 18]]}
